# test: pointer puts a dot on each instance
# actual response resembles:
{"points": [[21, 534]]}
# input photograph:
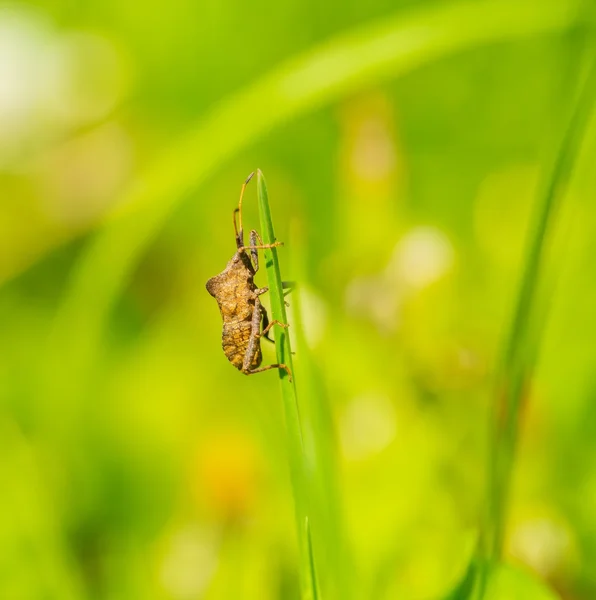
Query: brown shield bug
{"points": [[245, 319]]}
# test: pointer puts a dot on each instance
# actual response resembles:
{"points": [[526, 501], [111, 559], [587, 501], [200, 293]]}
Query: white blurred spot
{"points": [[542, 544], [24, 38], [51, 81], [367, 426], [421, 257], [189, 563]]}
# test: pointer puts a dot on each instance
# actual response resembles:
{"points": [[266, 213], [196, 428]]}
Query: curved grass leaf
{"points": [[521, 349], [368, 55]]}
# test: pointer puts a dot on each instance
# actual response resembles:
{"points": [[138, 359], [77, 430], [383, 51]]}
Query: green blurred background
{"points": [[135, 462]]}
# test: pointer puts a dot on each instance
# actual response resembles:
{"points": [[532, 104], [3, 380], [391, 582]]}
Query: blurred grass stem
{"points": [[525, 334]]}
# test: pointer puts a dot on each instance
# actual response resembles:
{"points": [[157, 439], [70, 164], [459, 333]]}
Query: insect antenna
{"points": [[238, 230]]}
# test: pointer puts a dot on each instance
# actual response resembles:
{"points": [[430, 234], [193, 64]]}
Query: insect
{"points": [[238, 299]]}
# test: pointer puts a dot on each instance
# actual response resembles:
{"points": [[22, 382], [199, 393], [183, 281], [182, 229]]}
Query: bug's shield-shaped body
{"points": [[237, 298], [245, 319]]}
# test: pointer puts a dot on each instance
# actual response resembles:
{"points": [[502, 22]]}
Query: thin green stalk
{"points": [[294, 439], [525, 334], [333, 552], [312, 563]]}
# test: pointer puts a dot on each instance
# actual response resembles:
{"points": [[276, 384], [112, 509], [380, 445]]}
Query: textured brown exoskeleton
{"points": [[238, 299]]}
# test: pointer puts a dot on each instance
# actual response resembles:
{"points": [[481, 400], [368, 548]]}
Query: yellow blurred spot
{"points": [[371, 167], [227, 474], [371, 152]]}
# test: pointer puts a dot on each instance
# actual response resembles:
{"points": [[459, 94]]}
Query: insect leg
{"points": [[254, 238], [253, 247], [261, 245], [253, 345], [275, 366], [253, 341], [265, 324], [254, 253], [270, 325]]}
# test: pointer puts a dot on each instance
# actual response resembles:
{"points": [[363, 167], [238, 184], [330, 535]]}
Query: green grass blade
{"points": [[294, 441], [369, 54], [526, 331], [335, 562], [313, 569], [466, 586], [276, 297]]}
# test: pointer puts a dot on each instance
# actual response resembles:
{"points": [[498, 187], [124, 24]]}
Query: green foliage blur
{"points": [[135, 461]]}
